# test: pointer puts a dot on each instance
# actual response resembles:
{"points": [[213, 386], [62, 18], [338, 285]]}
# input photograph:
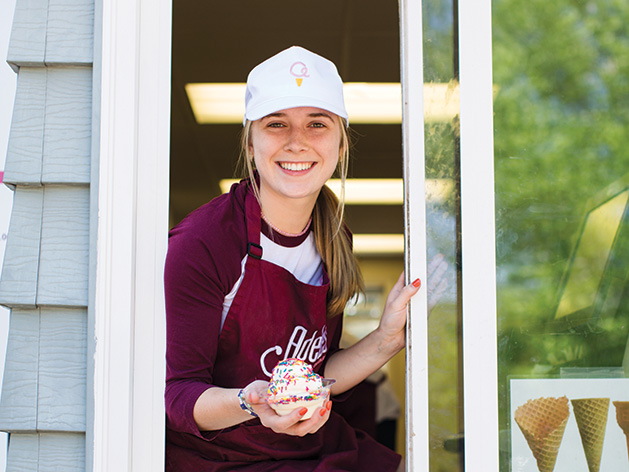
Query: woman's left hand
{"points": [[352, 365], [393, 319], [291, 424]]}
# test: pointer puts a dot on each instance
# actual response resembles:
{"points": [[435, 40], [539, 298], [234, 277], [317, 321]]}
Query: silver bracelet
{"points": [[244, 404]]}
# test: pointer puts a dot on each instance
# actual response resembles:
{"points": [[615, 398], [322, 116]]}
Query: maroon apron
{"points": [[272, 317]]}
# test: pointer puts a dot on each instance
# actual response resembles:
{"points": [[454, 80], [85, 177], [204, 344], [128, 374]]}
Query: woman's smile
{"points": [[296, 166]]}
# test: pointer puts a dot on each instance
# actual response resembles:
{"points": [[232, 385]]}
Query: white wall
{"points": [[7, 95]]}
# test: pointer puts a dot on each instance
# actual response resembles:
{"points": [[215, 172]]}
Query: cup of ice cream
{"points": [[294, 385]]}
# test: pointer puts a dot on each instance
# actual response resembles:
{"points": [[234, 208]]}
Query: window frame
{"points": [[130, 182], [417, 409], [130, 220], [480, 348]]}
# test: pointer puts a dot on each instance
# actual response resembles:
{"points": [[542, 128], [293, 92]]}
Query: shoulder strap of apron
{"points": [[254, 225]]}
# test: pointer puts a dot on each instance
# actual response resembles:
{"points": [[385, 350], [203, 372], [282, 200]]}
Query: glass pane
{"points": [[562, 188], [442, 212]]}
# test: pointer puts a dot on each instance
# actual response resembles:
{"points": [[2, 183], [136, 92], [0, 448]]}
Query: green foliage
{"points": [[561, 121]]}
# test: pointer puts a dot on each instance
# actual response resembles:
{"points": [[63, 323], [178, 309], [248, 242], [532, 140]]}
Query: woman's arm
{"points": [[219, 408], [352, 365]]}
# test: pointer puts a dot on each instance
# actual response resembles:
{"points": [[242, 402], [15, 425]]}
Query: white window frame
{"points": [[480, 359], [477, 236], [417, 438], [132, 75]]}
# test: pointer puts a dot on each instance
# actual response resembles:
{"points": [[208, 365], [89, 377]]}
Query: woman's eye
{"points": [[318, 125], [275, 125]]}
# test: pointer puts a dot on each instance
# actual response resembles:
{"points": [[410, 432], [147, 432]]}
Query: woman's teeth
{"points": [[296, 166]]}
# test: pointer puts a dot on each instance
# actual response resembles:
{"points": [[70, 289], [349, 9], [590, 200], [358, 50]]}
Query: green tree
{"points": [[561, 115]]}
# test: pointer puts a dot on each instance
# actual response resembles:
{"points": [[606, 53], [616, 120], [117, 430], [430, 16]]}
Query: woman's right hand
{"points": [[256, 395]]}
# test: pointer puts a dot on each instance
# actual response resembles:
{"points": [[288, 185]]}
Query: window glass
{"points": [[561, 163], [441, 107]]}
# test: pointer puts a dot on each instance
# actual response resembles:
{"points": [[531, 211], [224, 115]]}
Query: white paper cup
{"points": [[285, 405]]}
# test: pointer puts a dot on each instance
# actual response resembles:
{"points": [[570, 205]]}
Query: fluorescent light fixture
{"points": [[370, 191], [366, 102], [377, 191], [217, 103], [373, 102], [365, 244]]}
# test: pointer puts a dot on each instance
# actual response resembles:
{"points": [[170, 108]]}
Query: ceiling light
{"points": [[217, 103], [366, 102], [370, 191], [365, 244]]}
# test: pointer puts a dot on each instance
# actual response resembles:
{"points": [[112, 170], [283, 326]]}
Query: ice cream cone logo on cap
{"points": [[299, 70]]}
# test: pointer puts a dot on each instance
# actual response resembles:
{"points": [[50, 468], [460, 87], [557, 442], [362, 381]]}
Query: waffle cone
{"points": [[543, 422], [591, 416], [622, 416]]}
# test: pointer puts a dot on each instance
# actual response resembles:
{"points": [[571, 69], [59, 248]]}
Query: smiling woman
{"points": [[277, 270]]}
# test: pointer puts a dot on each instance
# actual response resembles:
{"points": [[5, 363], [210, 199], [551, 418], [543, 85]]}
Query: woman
{"points": [[262, 274]]}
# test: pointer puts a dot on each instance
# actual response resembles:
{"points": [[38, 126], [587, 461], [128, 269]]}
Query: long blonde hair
{"points": [[331, 237]]}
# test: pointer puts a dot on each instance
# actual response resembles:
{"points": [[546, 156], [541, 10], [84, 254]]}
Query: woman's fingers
{"points": [[401, 294], [394, 316], [293, 423], [314, 423], [256, 391]]}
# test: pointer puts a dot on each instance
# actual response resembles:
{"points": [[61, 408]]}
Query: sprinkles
{"points": [[293, 380]]}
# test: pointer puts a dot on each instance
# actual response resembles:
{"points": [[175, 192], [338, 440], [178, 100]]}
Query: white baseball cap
{"points": [[292, 78]]}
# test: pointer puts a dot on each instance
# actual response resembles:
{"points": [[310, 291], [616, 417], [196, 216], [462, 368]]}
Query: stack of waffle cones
{"points": [[543, 422], [622, 416], [591, 416]]}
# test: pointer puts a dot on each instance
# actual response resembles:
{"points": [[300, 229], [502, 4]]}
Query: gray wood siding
{"points": [[67, 125], [44, 383], [64, 251], [61, 399], [70, 32], [51, 32], [45, 275], [18, 410], [18, 285], [26, 146], [50, 452], [50, 135]]}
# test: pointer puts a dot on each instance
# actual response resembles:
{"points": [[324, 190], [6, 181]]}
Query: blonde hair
{"points": [[331, 236]]}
